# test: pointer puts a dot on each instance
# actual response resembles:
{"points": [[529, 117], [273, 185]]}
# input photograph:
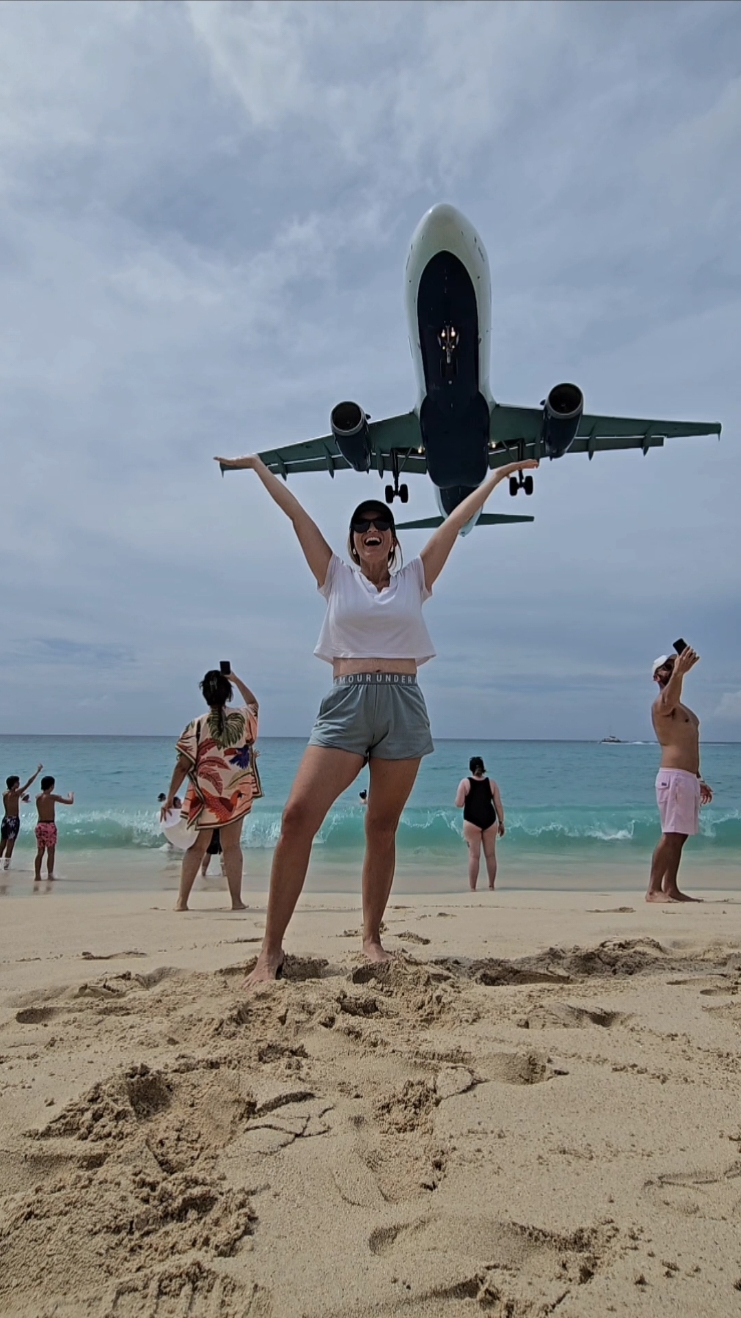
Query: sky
{"points": [[205, 210]]}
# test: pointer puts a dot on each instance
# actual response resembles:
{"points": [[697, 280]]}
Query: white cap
{"points": [[659, 663]]}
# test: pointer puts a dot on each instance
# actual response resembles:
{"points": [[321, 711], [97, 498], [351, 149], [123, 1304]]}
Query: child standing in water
{"points": [[46, 829], [11, 824]]}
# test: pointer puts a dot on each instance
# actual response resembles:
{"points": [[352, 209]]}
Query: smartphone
{"points": [[225, 667], [680, 645]]}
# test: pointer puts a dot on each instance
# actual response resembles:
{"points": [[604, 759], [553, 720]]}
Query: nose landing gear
{"points": [[448, 338]]}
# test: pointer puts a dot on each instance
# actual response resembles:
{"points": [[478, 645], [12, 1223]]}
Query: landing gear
{"points": [[520, 482], [448, 338], [397, 491]]}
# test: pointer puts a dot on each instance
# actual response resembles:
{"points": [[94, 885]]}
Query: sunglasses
{"points": [[363, 524]]}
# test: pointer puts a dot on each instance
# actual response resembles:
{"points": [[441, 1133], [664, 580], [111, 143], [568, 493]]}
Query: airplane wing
{"points": [[396, 432], [515, 433]]}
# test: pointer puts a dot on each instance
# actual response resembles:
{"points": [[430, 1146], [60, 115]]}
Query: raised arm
{"points": [[435, 553], [671, 694], [316, 550], [31, 779], [248, 696], [64, 800]]}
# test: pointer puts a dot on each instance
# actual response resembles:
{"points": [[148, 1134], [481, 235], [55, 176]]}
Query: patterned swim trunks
{"points": [[9, 828], [46, 835]]}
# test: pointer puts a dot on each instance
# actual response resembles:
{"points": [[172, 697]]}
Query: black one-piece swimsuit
{"points": [[479, 806]]}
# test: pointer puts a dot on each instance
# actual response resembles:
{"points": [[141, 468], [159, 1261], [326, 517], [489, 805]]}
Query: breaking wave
{"points": [[422, 830]]}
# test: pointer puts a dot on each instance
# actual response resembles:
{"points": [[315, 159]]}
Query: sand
{"points": [[534, 1110]]}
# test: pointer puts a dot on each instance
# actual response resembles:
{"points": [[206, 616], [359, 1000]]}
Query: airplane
{"points": [[457, 430]]}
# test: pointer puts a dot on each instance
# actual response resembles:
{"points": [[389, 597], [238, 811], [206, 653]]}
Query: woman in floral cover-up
{"points": [[216, 752]]}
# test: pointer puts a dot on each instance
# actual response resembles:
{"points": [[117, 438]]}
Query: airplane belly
{"points": [[454, 415]]}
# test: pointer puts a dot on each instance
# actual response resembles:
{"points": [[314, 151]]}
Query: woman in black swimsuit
{"points": [[483, 820]]}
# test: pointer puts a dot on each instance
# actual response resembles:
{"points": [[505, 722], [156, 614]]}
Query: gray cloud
{"points": [[205, 215]]}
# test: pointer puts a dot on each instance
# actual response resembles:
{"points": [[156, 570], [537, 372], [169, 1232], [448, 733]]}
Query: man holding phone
{"points": [[680, 789]]}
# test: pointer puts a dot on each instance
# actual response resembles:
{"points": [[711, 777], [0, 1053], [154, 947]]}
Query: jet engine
{"points": [[350, 428], [562, 411]]}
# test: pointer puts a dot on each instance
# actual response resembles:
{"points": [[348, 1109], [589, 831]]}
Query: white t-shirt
{"points": [[365, 623]]}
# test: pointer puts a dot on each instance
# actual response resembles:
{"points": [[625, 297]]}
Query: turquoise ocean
{"points": [[573, 811]]}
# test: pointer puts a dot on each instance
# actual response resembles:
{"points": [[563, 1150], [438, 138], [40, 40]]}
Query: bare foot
{"points": [[181, 906], [658, 897], [375, 951], [269, 967], [238, 906], [676, 896], [491, 887]]}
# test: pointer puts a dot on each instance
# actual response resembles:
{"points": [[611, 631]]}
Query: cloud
{"points": [[206, 209], [730, 706]]}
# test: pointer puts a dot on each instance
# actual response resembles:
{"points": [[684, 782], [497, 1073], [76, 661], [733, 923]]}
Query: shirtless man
{"points": [[11, 824], [680, 789], [46, 829]]}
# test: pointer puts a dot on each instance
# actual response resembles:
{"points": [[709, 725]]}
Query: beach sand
{"points": [[534, 1110]]}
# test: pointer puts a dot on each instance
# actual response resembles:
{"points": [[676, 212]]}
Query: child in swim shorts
{"points": [[46, 829], [11, 824]]}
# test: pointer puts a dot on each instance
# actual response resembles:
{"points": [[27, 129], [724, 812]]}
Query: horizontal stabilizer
{"points": [[486, 519], [500, 519]]}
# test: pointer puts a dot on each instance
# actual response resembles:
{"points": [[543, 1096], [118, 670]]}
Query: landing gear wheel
{"points": [[389, 494], [404, 493], [513, 486], [528, 484]]}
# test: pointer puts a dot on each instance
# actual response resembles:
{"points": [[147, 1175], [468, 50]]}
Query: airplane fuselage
{"points": [[448, 307]]}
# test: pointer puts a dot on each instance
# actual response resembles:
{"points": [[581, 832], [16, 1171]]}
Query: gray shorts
{"points": [[374, 714]]}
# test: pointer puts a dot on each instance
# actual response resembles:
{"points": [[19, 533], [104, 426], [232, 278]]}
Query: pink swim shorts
{"points": [[678, 797], [46, 835]]}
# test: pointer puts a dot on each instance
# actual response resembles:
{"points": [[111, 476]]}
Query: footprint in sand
{"points": [[710, 1196], [519, 1068], [188, 1291], [35, 1015], [562, 1015], [500, 1266]]}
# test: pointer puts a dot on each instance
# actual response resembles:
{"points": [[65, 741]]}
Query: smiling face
{"points": [[372, 536]]}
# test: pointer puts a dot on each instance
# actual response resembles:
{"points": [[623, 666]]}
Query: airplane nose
{"points": [[442, 228], [441, 219], [443, 212]]}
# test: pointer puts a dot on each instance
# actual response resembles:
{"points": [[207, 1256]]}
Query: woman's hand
{"points": [[500, 830], [513, 467], [166, 808], [237, 464]]}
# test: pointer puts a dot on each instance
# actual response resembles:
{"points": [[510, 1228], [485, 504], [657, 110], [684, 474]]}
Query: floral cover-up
{"points": [[223, 773]]}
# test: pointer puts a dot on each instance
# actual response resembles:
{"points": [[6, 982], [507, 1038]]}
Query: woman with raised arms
{"points": [[375, 637]]}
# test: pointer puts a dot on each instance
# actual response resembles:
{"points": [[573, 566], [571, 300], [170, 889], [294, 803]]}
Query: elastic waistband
{"points": [[380, 679], [685, 773]]}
